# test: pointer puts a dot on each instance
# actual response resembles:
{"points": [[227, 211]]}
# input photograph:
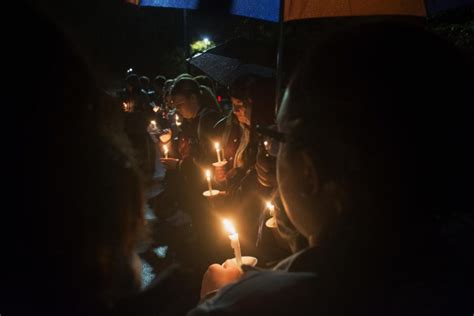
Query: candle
{"points": [[178, 123], [208, 177], [165, 149], [125, 106], [234, 241], [153, 123], [218, 151], [270, 208], [265, 143]]}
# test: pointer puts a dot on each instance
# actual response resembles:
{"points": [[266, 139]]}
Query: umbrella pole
{"points": [[186, 39], [279, 74]]}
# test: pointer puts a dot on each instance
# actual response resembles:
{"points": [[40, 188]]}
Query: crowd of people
{"points": [[365, 163]]}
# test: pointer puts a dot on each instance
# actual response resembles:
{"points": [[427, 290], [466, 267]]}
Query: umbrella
{"points": [[302, 9], [236, 57]]}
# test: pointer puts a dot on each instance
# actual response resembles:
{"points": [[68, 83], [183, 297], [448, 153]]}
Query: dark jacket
{"points": [[268, 292]]}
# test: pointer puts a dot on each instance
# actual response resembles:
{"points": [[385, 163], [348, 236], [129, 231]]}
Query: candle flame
{"points": [[165, 148], [153, 122], [265, 143], [229, 227], [217, 145], [208, 174], [270, 208]]}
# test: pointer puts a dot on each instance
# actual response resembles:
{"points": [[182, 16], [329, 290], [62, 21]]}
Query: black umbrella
{"points": [[236, 57]]}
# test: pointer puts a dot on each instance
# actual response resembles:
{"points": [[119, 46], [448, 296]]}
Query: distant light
{"points": [[206, 40], [129, 70], [219, 98]]}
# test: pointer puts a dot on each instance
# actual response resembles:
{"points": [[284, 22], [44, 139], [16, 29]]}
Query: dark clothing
{"points": [[172, 293], [277, 292], [194, 148], [244, 188]]}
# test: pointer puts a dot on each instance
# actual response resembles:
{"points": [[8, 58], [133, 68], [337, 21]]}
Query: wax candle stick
{"points": [[234, 241], [208, 178], [218, 151]]}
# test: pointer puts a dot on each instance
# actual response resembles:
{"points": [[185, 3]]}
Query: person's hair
{"points": [[384, 109], [244, 87], [86, 209], [187, 87], [262, 93], [205, 81]]}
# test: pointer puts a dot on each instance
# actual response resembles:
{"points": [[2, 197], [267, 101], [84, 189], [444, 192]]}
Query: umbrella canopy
{"points": [[236, 57], [303, 9]]}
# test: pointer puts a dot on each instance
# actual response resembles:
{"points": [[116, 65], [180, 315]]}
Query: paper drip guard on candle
{"points": [[207, 193], [247, 260], [271, 222], [220, 163]]}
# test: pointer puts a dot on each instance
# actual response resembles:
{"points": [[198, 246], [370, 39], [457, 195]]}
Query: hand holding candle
{"points": [[234, 241]]}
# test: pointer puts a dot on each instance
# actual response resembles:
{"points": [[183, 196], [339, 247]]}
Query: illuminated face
{"points": [[241, 110], [186, 107]]}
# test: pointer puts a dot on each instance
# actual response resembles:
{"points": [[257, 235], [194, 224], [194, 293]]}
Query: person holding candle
{"points": [[198, 124], [252, 104], [252, 98], [193, 153], [359, 171]]}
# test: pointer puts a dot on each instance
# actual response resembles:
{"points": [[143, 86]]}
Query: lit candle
{"points": [[208, 177], [153, 123], [265, 143], [270, 208], [178, 123], [271, 222], [125, 106], [218, 151], [234, 241], [165, 149]]}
